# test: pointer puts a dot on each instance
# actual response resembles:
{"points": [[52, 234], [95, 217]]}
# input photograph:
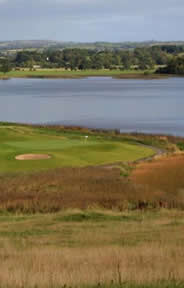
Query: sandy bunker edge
{"points": [[32, 157]]}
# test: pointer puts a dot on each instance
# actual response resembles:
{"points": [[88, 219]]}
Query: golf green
{"points": [[64, 149]]}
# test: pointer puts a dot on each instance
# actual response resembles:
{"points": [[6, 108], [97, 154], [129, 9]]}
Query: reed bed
{"points": [[81, 188]]}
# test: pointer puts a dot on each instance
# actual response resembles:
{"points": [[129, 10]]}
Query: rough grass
{"points": [[66, 149], [51, 267], [81, 188], [159, 284], [165, 176], [95, 247]]}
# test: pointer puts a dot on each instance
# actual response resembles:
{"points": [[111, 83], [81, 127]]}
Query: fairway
{"points": [[66, 149]]}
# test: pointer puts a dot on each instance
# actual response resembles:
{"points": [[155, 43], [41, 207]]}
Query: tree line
{"points": [[82, 59], [175, 66]]}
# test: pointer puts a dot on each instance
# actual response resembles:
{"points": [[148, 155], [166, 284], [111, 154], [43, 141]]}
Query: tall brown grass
{"points": [[51, 267], [80, 188], [164, 175]]}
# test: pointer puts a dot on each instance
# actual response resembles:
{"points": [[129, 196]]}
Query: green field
{"points": [[60, 73], [66, 149]]}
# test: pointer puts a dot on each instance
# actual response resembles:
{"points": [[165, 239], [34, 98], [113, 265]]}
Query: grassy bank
{"points": [[60, 73]]}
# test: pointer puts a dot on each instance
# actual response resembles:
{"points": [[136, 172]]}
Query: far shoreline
{"points": [[93, 130], [62, 74]]}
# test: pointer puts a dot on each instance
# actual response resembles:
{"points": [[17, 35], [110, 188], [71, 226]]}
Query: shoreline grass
{"points": [[64, 74]]}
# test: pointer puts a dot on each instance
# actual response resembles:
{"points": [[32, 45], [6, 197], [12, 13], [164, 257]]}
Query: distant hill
{"points": [[43, 44], [28, 44]]}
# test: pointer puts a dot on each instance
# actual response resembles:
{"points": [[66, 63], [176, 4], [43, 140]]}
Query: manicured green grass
{"points": [[66, 149]]}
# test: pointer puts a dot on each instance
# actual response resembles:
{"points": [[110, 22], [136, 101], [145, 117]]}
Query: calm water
{"points": [[154, 106]]}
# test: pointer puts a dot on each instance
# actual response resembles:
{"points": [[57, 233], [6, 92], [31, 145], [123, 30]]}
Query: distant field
{"points": [[60, 73], [65, 149]]}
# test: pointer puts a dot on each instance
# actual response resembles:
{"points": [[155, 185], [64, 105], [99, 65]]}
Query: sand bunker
{"points": [[32, 157]]}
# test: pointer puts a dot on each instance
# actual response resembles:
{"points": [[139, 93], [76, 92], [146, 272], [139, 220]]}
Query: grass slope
{"points": [[66, 149]]}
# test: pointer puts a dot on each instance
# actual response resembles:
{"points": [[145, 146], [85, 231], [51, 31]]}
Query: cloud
{"points": [[93, 7]]}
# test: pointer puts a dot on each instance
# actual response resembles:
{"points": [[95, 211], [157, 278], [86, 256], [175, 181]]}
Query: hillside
{"points": [[36, 44]]}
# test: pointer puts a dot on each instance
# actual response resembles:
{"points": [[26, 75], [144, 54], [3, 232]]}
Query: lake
{"points": [[151, 106]]}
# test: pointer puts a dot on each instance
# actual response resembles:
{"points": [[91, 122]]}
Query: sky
{"points": [[92, 20]]}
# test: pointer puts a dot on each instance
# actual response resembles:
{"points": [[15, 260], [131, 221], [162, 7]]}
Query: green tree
{"points": [[5, 66], [175, 66]]}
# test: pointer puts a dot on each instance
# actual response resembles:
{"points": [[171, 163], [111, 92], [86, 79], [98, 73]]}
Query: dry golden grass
{"points": [[49, 267], [82, 188], [55, 249], [165, 176]]}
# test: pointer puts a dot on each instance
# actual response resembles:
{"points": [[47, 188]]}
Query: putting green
{"points": [[65, 149]]}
